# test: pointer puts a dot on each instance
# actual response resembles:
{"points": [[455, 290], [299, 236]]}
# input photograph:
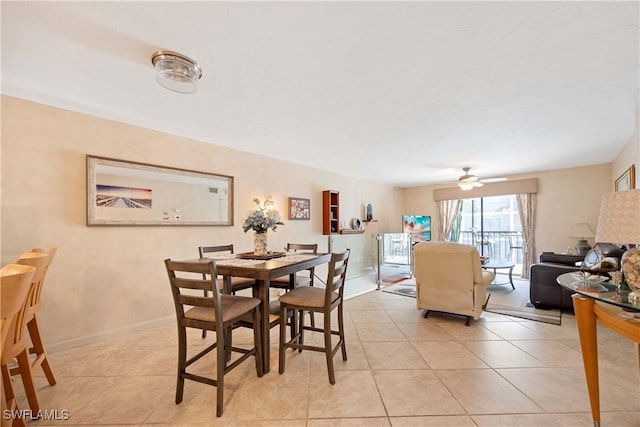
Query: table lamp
{"points": [[619, 222], [582, 231]]}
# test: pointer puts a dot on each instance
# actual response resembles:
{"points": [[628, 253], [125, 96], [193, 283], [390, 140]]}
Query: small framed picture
{"points": [[299, 208], [627, 181]]}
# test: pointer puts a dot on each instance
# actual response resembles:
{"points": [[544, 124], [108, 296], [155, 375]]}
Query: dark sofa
{"points": [[544, 291]]}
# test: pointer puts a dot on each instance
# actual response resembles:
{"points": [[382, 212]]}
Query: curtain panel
{"points": [[447, 213], [527, 212]]}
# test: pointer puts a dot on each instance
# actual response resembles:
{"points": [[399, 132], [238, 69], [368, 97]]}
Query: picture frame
{"points": [[299, 209], [122, 192], [626, 181]]}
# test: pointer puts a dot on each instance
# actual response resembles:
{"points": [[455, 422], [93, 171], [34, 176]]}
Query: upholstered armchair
{"points": [[450, 279]]}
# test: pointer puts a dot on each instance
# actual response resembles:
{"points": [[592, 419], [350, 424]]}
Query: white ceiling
{"points": [[405, 93]]}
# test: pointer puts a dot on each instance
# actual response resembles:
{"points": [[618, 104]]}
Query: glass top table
{"points": [[595, 287], [600, 301]]}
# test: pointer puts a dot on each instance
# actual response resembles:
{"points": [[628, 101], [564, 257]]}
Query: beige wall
{"points": [[565, 197], [106, 278]]}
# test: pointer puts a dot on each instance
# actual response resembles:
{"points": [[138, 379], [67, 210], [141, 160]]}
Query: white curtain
{"points": [[527, 212], [447, 212]]}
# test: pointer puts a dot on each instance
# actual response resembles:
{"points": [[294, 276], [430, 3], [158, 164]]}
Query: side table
{"points": [[497, 265]]}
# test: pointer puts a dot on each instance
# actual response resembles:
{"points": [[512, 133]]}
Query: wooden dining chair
{"points": [[304, 279], [33, 326], [15, 345], [237, 283], [325, 301], [15, 281], [218, 313]]}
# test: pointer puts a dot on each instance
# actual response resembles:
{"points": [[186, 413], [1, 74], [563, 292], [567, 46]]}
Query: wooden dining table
{"points": [[263, 271]]}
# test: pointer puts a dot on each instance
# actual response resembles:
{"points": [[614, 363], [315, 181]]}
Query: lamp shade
{"points": [[581, 230], [619, 220]]}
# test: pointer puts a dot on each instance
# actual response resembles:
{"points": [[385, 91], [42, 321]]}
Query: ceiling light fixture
{"points": [[466, 185], [176, 72]]}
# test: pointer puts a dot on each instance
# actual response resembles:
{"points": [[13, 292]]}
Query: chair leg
{"points": [[341, 331], [28, 380], [283, 337], [468, 321], [301, 329], [257, 342], [328, 348], [9, 400], [38, 349], [182, 362], [221, 363], [426, 314]]}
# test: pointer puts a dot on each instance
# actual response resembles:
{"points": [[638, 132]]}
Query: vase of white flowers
{"points": [[261, 220]]}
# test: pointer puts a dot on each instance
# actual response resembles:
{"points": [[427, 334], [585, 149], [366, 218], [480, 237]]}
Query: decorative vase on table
{"points": [[260, 244], [261, 220]]}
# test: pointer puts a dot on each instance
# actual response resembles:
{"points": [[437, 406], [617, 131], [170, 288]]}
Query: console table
{"points": [[605, 303]]}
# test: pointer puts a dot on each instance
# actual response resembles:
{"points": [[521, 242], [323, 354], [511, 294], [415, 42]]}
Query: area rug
{"points": [[407, 288], [515, 303]]}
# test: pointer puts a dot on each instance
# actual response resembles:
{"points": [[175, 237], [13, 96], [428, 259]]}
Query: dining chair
{"points": [[305, 279], [15, 281], [284, 282], [237, 283], [33, 325], [15, 344], [217, 313], [318, 300]]}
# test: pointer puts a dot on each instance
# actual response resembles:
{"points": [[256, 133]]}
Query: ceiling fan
{"points": [[467, 181]]}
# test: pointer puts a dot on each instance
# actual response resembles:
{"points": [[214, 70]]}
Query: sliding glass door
{"points": [[492, 224]]}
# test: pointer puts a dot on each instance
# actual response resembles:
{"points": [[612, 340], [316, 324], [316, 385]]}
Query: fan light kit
{"points": [[467, 182], [176, 72]]}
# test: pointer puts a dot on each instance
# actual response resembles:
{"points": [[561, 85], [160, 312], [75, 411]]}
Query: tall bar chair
{"points": [[15, 281], [33, 325], [237, 283], [218, 313], [315, 299], [15, 346], [303, 279]]}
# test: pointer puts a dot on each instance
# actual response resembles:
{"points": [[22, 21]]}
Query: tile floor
{"points": [[403, 370]]}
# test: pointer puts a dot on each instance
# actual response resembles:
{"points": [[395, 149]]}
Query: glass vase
{"points": [[260, 244]]}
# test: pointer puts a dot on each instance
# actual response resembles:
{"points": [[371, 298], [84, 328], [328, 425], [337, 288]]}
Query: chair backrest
{"points": [[16, 337], [203, 250], [35, 298], [15, 281], [185, 277], [334, 291], [447, 264], [311, 248]]}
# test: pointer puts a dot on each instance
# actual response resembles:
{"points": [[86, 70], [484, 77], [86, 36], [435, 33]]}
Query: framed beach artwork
{"points": [[627, 181], [299, 209]]}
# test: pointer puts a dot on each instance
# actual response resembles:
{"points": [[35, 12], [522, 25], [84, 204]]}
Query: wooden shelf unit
{"points": [[330, 212]]}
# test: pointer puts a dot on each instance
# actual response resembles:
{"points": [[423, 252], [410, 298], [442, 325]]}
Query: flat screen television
{"points": [[418, 226]]}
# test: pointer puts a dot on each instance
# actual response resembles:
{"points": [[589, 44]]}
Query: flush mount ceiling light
{"points": [[176, 72]]}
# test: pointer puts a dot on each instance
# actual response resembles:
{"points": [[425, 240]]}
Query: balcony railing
{"points": [[502, 245]]}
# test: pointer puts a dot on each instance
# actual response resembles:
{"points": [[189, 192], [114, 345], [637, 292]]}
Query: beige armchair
{"points": [[450, 279]]}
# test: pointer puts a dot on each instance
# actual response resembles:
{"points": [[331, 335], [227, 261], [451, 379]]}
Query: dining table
{"points": [[263, 271]]}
